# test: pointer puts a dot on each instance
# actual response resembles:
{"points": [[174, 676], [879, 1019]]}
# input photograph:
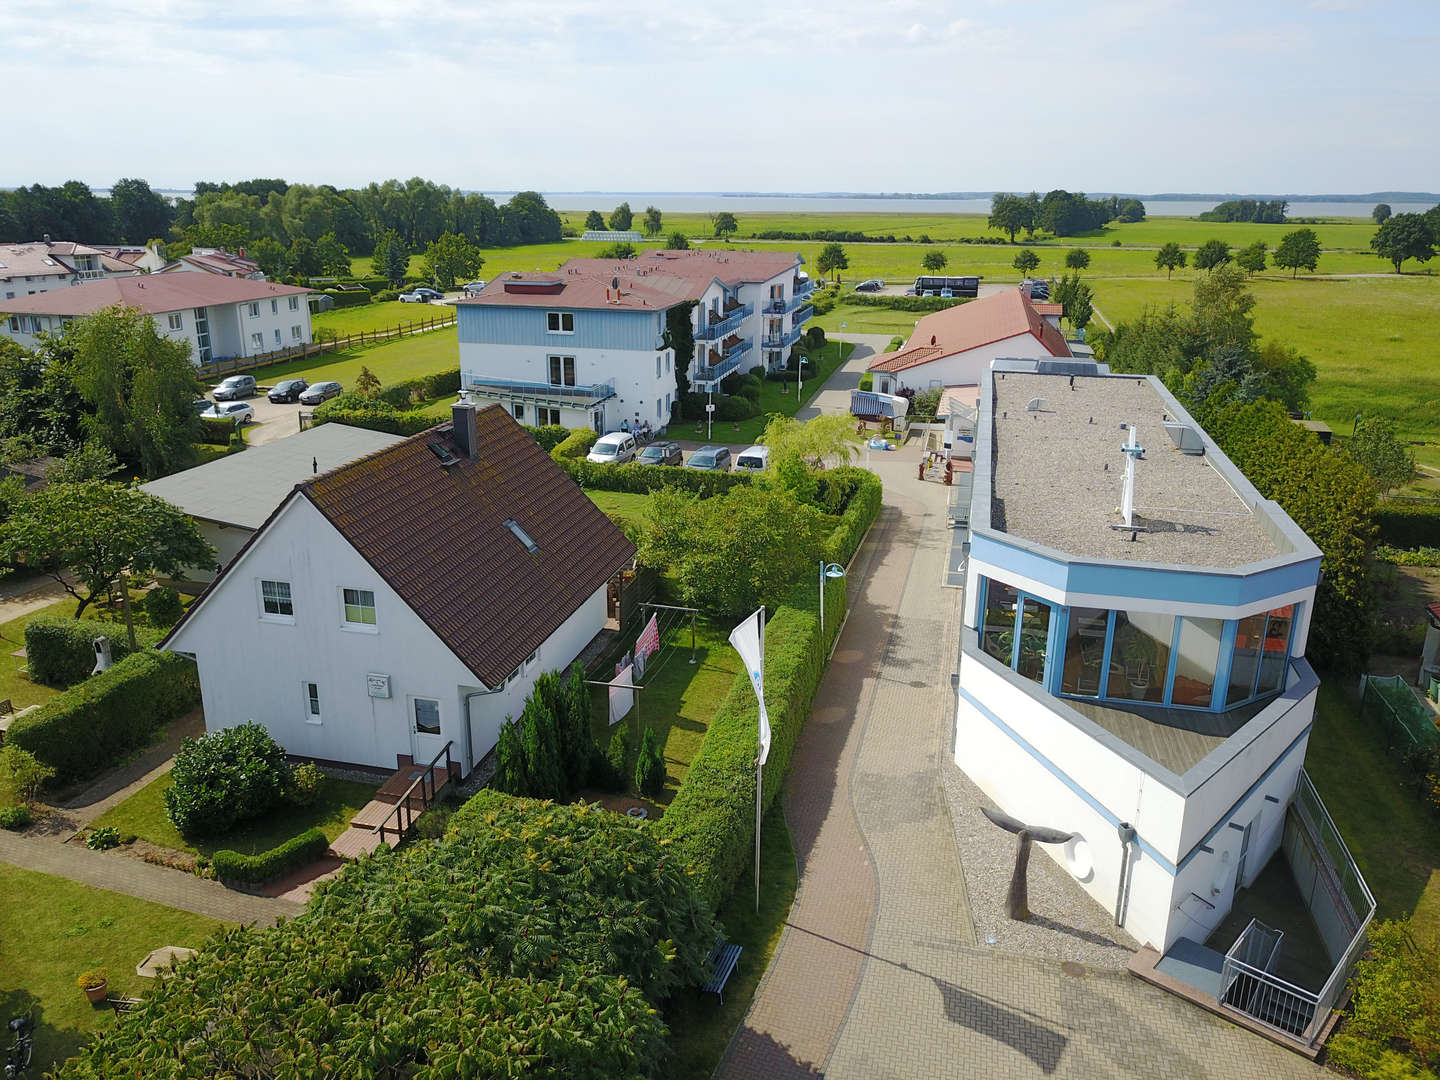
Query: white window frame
{"points": [[279, 340], [358, 627], [310, 694], [176, 320], [415, 716], [255, 309], [257, 340], [274, 307], [549, 374], [555, 322], [295, 332], [275, 616], [519, 410], [546, 415], [294, 303]]}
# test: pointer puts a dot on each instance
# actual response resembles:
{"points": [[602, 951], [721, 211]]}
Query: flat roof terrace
{"points": [[1059, 476]]}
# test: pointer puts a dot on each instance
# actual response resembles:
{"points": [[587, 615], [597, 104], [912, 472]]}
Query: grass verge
{"points": [[143, 814], [52, 929], [701, 1027], [390, 361], [386, 315]]}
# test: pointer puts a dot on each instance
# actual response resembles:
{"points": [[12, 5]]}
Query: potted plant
{"points": [[95, 983]]}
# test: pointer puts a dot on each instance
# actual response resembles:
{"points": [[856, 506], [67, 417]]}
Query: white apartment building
{"points": [[28, 269]]}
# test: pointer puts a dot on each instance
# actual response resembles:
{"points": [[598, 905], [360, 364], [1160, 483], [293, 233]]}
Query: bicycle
{"points": [[17, 1057]]}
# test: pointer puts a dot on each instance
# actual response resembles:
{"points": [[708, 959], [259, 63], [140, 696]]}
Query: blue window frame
{"points": [[1019, 630]]}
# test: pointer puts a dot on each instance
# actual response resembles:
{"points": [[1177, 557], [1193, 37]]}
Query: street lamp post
{"points": [[827, 570], [709, 414]]}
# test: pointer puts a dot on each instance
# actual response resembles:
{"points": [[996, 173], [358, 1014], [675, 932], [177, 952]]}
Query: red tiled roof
{"points": [[985, 321], [34, 260], [654, 281], [907, 358], [1045, 308], [151, 293]]}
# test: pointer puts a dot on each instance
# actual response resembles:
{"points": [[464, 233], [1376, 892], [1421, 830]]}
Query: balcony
{"points": [[543, 393], [804, 286], [804, 313], [780, 341], [726, 325], [707, 376], [82, 276], [783, 306]]}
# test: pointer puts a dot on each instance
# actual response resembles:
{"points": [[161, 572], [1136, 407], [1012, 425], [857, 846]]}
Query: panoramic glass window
{"points": [[1245, 659], [1275, 650], [997, 633], [1034, 639], [1140, 656], [1195, 665], [1084, 652]]}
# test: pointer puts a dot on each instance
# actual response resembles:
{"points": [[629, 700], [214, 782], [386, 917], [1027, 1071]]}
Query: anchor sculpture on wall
{"points": [[1017, 899]]}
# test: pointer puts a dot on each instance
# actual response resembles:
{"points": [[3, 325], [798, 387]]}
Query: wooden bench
{"points": [[721, 963]]}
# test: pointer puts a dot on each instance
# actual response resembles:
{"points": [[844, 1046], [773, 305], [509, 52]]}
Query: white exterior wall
{"points": [[266, 323], [256, 668], [632, 372], [963, 368], [12, 288]]}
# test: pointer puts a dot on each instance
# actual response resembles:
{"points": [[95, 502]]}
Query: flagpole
{"points": [[759, 772]]}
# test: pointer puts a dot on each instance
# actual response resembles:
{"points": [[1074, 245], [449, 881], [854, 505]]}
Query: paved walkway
{"points": [[878, 973], [834, 396], [109, 870], [22, 597]]}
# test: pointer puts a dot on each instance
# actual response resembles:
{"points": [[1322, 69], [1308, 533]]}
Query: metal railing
{"points": [[789, 337], [713, 373], [804, 286], [494, 387], [807, 311], [1248, 986], [724, 326], [404, 814]]}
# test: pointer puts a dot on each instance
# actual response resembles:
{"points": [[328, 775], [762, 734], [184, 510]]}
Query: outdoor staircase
{"points": [[364, 834]]}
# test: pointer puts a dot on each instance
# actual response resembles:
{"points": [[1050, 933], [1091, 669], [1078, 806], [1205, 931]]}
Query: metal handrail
{"points": [[425, 798]]}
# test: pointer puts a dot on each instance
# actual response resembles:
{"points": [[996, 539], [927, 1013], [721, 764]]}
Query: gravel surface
{"points": [[1065, 924], [1059, 477]]}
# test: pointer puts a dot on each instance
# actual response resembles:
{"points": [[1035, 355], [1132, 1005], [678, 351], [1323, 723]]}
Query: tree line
{"points": [[1059, 212]]}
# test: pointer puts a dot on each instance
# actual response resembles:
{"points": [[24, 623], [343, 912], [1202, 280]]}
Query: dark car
{"points": [[710, 459], [1036, 288], [421, 294], [200, 405], [287, 390], [870, 285], [661, 453], [320, 391]]}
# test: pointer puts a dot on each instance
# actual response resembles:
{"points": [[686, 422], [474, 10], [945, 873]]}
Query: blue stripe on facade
{"points": [[481, 324], [1122, 581], [1060, 774]]}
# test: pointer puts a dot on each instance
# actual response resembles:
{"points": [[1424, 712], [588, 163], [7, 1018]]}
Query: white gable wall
{"points": [[966, 368]]}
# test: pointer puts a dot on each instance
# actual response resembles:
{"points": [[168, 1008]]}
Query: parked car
{"points": [[753, 459], [614, 449], [870, 285], [200, 405], [710, 459], [421, 294], [234, 388], [236, 411], [472, 288], [661, 453], [318, 392], [1036, 288], [287, 390]]}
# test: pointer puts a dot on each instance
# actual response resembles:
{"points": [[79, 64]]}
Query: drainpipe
{"points": [[469, 736], [1127, 841]]}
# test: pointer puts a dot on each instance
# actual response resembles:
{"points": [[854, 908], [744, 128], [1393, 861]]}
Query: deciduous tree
{"points": [[832, 257], [1026, 261], [724, 224], [1298, 250], [1379, 451], [452, 258], [1252, 258], [1169, 257], [1381, 213], [622, 217], [1212, 253], [678, 241], [934, 261], [1404, 236], [1010, 213], [654, 222], [1077, 259]]}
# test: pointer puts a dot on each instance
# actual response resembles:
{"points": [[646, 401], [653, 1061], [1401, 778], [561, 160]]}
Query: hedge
{"points": [[424, 388], [215, 432], [268, 865], [348, 298], [382, 419], [1408, 525], [642, 479], [711, 822], [905, 303], [93, 725], [574, 446], [549, 436], [60, 652]]}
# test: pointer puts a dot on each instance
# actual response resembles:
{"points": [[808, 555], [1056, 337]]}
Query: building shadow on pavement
{"points": [[1041, 1044], [756, 1054]]}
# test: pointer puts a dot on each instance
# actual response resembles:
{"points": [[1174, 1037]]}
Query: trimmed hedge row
{"points": [[549, 436], [60, 652], [424, 388], [905, 303], [1408, 525], [641, 479], [383, 419], [215, 432], [711, 822], [574, 446], [861, 492], [92, 725], [269, 865], [346, 298]]}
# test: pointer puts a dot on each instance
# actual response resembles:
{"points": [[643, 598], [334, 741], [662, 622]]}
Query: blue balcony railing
{"points": [[706, 376], [806, 311], [780, 341], [485, 386], [804, 286], [724, 327]]}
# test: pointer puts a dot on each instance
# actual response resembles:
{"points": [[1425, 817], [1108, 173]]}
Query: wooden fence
{"points": [[234, 365]]}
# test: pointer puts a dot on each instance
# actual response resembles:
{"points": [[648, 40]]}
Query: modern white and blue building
{"points": [[585, 345], [1133, 671]]}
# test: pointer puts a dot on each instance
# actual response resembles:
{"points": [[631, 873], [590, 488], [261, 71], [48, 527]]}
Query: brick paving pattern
{"points": [[878, 973]]}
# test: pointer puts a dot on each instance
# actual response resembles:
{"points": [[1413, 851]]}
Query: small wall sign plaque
{"points": [[379, 685]]}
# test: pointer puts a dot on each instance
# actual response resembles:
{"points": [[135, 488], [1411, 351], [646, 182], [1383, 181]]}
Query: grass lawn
{"points": [[679, 698], [52, 929], [15, 684], [700, 1028], [775, 397], [1386, 826], [390, 361], [378, 316], [630, 505], [144, 815]]}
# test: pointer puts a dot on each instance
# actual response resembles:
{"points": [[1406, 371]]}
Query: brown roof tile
{"points": [[154, 294], [981, 322], [437, 535]]}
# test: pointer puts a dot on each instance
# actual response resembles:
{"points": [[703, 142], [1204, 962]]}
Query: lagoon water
{"points": [[701, 203]]}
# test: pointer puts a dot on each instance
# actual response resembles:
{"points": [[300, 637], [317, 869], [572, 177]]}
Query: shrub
{"points": [[867, 381], [385, 296], [1393, 1030], [815, 338], [616, 755], [574, 446], [60, 652], [215, 432], [23, 772], [103, 838], [280, 860], [161, 606], [304, 784], [225, 777], [641, 479], [905, 303], [735, 408], [344, 298], [549, 436], [1408, 525], [860, 492], [92, 979], [374, 415], [423, 388], [90, 726], [650, 766], [14, 817]]}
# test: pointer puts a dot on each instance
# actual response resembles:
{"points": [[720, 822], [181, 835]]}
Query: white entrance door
{"points": [[426, 730]]}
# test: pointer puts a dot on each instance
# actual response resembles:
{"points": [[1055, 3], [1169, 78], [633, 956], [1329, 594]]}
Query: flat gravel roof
{"points": [[1059, 477]]}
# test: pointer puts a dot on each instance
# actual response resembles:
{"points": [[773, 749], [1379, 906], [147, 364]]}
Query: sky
{"points": [[1143, 96]]}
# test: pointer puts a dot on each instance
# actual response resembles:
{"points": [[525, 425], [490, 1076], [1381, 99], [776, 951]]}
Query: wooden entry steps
{"points": [[363, 836]]}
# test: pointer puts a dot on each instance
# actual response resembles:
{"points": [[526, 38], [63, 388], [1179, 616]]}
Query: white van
{"points": [[755, 459], [614, 449]]}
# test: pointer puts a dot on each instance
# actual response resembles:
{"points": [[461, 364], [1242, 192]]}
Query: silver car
{"points": [[234, 388]]}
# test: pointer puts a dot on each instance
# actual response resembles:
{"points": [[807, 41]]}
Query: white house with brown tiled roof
{"points": [[27, 269], [584, 345], [955, 347], [215, 261], [220, 317]]}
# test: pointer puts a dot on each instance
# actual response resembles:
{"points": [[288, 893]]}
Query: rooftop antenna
{"points": [[1132, 450]]}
